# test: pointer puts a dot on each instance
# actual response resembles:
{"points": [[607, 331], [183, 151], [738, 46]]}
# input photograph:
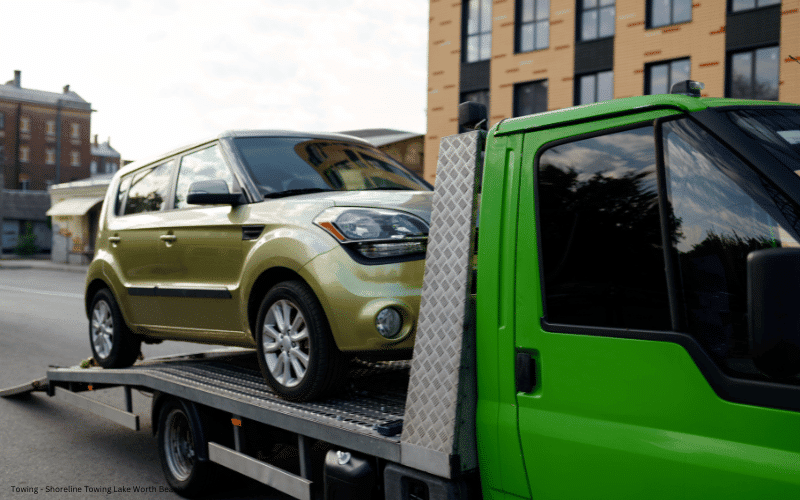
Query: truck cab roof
{"points": [[616, 107]]}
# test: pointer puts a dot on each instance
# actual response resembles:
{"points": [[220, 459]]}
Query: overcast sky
{"points": [[161, 74]]}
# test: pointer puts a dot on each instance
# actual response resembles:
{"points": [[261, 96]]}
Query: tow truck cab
{"points": [[637, 320]]}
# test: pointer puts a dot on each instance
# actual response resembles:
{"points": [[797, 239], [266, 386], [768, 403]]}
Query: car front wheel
{"points": [[296, 351]]}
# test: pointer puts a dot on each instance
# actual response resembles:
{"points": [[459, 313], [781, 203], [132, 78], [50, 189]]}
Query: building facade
{"points": [[105, 159], [44, 136], [527, 56]]}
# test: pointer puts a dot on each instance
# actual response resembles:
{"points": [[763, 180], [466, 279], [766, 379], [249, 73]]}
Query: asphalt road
{"points": [[46, 443]]}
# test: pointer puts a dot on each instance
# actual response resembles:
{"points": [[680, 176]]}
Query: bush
{"points": [[26, 243]]}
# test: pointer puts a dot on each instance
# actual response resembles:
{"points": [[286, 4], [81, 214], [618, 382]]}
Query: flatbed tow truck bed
{"points": [[366, 417], [407, 426]]}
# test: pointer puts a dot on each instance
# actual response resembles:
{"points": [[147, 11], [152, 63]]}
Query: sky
{"points": [[162, 74]]}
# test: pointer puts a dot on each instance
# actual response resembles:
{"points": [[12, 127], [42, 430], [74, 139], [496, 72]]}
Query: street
{"points": [[50, 448]]}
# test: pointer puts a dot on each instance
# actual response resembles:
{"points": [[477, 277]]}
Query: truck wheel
{"points": [[180, 438], [113, 344], [296, 351]]}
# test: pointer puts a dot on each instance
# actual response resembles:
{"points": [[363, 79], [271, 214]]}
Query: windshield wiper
{"points": [[292, 192]]}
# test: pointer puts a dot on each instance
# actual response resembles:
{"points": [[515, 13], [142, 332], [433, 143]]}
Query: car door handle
{"points": [[169, 238], [114, 239]]}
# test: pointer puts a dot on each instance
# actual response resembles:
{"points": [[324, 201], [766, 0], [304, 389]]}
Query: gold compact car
{"points": [[308, 247]]}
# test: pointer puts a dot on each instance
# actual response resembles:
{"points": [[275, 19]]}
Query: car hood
{"points": [[415, 202]]}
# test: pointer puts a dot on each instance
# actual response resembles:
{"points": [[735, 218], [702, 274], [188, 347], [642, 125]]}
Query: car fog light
{"points": [[388, 322]]}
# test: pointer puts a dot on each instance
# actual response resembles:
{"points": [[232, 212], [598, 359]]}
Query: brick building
{"points": [[44, 136], [527, 56]]}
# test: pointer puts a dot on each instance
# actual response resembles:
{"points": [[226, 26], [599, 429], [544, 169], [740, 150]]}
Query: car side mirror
{"points": [[212, 192], [773, 302]]}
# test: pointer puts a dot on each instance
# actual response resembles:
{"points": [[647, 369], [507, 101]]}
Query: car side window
{"points": [[149, 189], [601, 249], [124, 185], [203, 165]]}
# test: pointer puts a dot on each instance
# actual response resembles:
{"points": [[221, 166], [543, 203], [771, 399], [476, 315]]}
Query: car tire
{"points": [[296, 351], [113, 344], [180, 438]]}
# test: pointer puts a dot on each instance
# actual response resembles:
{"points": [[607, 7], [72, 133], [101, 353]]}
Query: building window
{"points": [[666, 12], [50, 156], [110, 168], [533, 25], [24, 154], [479, 30], [50, 127], [75, 158], [661, 76], [479, 96], [530, 98], [76, 130], [741, 5], [25, 184], [24, 124], [596, 19], [2, 120], [93, 167], [595, 87], [754, 74]]}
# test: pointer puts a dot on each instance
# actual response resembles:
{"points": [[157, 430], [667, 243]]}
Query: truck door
{"points": [[630, 308]]}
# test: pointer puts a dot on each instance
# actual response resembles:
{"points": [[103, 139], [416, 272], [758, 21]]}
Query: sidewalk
{"points": [[15, 262]]}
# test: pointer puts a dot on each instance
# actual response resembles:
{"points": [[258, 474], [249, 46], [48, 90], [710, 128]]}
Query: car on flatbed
{"points": [[308, 247]]}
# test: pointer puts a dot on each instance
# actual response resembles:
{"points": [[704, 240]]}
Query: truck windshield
{"points": [[298, 165], [777, 130]]}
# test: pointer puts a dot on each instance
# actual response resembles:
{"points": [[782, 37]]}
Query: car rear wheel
{"points": [[296, 351], [113, 344]]}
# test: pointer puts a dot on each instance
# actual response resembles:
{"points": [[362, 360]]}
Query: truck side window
{"points": [[602, 255], [722, 212]]}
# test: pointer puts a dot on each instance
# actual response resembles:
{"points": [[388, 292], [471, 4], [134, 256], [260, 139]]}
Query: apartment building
{"points": [[44, 136], [527, 56]]}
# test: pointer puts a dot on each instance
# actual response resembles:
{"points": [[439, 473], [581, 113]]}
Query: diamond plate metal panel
{"points": [[440, 405]]}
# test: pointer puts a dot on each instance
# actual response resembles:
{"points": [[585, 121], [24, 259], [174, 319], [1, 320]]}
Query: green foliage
{"points": [[26, 243]]}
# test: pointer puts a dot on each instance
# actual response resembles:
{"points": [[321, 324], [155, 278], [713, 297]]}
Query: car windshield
{"points": [[777, 130], [284, 166]]}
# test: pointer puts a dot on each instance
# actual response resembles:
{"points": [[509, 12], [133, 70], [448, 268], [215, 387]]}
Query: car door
{"points": [[203, 245], [133, 234], [642, 387]]}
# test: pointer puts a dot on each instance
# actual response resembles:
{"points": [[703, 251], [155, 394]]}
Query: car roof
{"points": [[232, 134]]}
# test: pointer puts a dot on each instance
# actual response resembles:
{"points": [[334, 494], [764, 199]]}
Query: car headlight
{"points": [[375, 233]]}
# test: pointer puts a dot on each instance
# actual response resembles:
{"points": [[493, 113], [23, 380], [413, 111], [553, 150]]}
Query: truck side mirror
{"points": [[472, 116], [212, 192], [773, 302]]}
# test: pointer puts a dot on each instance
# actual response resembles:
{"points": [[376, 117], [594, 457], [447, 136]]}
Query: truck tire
{"points": [[181, 438], [296, 351], [113, 344]]}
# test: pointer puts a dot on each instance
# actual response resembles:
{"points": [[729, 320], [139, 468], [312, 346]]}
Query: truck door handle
{"points": [[525, 372], [169, 238]]}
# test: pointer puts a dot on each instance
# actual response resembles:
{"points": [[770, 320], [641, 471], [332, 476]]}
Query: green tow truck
{"points": [[631, 328]]}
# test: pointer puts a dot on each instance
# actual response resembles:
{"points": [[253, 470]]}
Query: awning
{"points": [[74, 206]]}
